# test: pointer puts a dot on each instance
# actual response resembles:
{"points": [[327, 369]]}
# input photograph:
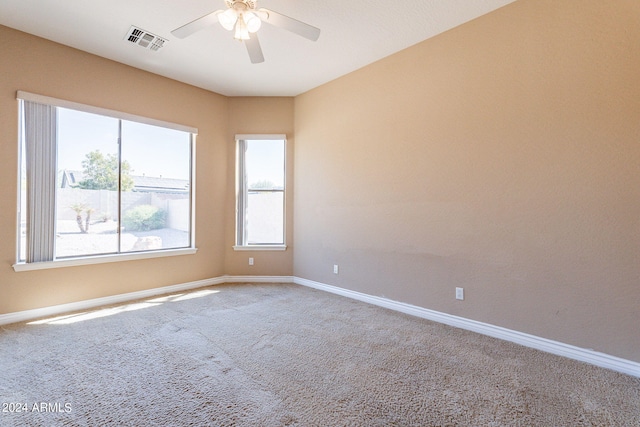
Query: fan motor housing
{"points": [[241, 4]]}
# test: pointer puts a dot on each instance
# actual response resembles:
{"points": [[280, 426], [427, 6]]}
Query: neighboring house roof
{"points": [[71, 178], [141, 183]]}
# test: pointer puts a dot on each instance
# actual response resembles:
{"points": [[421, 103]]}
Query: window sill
{"points": [[261, 248], [101, 259]]}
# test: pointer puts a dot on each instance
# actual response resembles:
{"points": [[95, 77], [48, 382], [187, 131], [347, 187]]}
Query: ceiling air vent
{"points": [[145, 39]]}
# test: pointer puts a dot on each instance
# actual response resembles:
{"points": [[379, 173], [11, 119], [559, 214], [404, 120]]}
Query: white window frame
{"points": [[115, 257], [242, 190]]}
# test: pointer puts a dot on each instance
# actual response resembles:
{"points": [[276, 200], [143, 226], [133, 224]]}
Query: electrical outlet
{"points": [[250, 261], [335, 268], [460, 293]]}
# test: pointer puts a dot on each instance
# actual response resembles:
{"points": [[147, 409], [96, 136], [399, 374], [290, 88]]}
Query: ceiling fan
{"points": [[245, 18]]}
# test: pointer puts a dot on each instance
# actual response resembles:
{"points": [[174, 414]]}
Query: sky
{"points": [[80, 133], [265, 161]]}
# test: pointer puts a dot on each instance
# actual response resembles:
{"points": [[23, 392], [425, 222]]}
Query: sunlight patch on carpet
{"points": [[80, 317]]}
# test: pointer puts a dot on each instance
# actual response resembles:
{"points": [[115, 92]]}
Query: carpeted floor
{"points": [[280, 355]]}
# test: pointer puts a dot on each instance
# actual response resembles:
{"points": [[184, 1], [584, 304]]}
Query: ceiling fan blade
{"points": [[298, 27], [254, 49], [196, 25]]}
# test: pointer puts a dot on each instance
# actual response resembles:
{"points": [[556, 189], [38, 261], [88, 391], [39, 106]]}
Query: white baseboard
{"points": [[38, 313], [258, 279], [581, 354], [572, 352]]}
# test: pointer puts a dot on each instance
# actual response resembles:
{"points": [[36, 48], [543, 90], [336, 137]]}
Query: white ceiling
{"points": [[354, 33]]}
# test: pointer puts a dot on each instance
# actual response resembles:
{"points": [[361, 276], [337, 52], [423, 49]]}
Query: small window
{"points": [[96, 182], [260, 192]]}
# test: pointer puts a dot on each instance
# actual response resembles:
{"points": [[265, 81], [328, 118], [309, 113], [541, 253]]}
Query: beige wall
{"points": [[39, 66], [257, 115], [503, 157], [35, 65]]}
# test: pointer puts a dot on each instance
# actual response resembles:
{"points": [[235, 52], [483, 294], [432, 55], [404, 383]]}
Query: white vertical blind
{"points": [[241, 224], [40, 151]]}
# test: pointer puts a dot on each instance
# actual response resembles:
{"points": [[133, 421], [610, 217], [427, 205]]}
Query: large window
{"points": [[260, 192], [96, 182]]}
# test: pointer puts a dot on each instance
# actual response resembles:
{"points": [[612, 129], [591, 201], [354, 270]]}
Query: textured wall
{"points": [[39, 66], [502, 157]]}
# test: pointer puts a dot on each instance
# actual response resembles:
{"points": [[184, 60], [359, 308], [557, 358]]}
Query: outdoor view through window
{"points": [[261, 203], [121, 186]]}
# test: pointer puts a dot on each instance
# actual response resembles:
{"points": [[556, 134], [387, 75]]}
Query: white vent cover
{"points": [[144, 38]]}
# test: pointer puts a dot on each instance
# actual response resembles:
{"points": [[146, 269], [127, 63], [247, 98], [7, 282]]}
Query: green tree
{"points": [[101, 172], [263, 184], [144, 218]]}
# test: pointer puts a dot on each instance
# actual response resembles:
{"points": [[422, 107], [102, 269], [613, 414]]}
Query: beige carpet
{"points": [[280, 355]]}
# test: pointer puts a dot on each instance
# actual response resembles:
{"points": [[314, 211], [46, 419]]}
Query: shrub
{"points": [[144, 218]]}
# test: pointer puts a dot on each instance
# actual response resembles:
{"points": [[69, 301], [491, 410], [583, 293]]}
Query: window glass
{"points": [[265, 217], [265, 164], [261, 177], [156, 204], [87, 187]]}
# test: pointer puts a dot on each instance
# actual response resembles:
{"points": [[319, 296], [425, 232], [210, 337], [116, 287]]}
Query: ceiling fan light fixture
{"points": [[253, 22], [244, 18], [228, 19], [242, 33]]}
